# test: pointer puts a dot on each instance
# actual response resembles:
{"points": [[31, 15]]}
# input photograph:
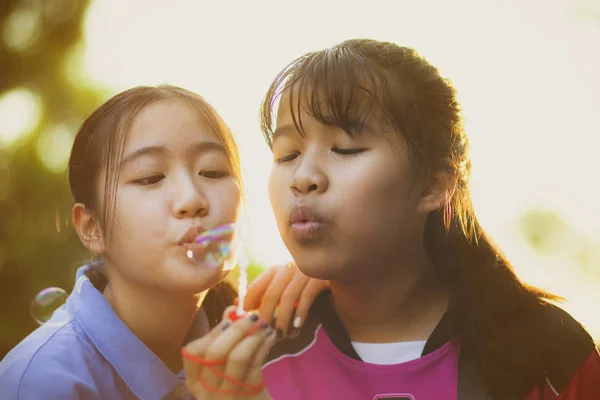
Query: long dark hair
{"points": [[100, 143], [498, 315]]}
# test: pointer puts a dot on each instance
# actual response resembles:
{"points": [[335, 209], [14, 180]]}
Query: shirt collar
{"points": [[323, 312], [142, 370]]}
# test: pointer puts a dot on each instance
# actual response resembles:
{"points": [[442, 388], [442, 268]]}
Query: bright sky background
{"points": [[527, 72]]}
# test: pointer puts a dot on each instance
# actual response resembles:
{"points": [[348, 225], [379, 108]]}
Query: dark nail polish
{"points": [[226, 325], [254, 317], [264, 325], [279, 333]]}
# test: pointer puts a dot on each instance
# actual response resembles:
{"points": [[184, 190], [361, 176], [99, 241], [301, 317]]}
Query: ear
{"points": [[88, 228], [437, 192]]}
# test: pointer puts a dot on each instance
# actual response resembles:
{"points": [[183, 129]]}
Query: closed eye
{"points": [[347, 152], [287, 158], [217, 174], [149, 180]]}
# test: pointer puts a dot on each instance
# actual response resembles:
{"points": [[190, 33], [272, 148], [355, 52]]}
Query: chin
{"points": [[317, 268], [198, 285], [195, 279]]}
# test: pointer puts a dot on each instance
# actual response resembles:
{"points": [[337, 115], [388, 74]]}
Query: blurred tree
{"points": [[544, 230], [43, 100], [41, 104], [585, 10], [547, 233]]}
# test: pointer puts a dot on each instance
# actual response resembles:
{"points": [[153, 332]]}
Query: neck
{"points": [[159, 319], [397, 302]]}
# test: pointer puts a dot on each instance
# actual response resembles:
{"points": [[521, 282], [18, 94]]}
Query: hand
{"points": [[283, 287], [226, 362]]}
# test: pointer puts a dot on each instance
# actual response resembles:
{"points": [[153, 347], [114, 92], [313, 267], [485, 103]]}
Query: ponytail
{"points": [[497, 316]]}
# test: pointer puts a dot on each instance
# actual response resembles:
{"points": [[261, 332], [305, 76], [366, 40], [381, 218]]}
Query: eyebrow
{"points": [[198, 148], [285, 130]]}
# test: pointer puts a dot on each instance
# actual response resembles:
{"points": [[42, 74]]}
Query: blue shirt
{"points": [[85, 351]]}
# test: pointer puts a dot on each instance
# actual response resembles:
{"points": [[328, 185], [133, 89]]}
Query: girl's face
{"points": [[175, 181], [344, 206]]}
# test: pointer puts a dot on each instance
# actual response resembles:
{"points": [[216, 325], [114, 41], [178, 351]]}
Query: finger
{"points": [[196, 350], [257, 289], [312, 289], [254, 375], [198, 347], [192, 371], [272, 295], [229, 310], [195, 370], [230, 336], [287, 303], [240, 360]]}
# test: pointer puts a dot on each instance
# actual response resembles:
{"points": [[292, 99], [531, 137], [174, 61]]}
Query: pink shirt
{"points": [[321, 371], [319, 362]]}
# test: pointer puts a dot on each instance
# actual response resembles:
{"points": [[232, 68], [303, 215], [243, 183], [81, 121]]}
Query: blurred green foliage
{"points": [[547, 233], [577, 257], [39, 49], [41, 43]]}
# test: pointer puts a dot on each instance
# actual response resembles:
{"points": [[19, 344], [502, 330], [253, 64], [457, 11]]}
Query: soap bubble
{"points": [[46, 302], [213, 248]]}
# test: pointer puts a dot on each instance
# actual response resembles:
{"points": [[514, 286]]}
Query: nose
{"points": [[310, 176], [189, 202]]}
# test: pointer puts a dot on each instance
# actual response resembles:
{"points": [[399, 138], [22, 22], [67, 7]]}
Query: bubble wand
{"points": [[243, 233]]}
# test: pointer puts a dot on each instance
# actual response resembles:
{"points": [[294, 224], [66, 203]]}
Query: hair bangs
{"points": [[335, 86]]}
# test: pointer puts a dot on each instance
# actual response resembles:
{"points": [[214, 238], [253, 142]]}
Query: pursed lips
{"points": [[304, 222], [190, 235]]}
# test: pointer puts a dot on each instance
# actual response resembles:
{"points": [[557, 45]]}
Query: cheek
{"points": [[372, 183], [373, 197], [224, 202], [140, 217], [278, 188]]}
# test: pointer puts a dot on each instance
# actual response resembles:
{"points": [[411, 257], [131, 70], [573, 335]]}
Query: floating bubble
{"points": [[213, 247], [46, 302]]}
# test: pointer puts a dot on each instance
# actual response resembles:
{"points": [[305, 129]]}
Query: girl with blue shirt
{"points": [[150, 169]]}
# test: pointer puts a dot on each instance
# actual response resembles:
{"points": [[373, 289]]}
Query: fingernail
{"points": [[226, 325], [297, 322], [254, 317], [264, 325], [279, 333]]}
